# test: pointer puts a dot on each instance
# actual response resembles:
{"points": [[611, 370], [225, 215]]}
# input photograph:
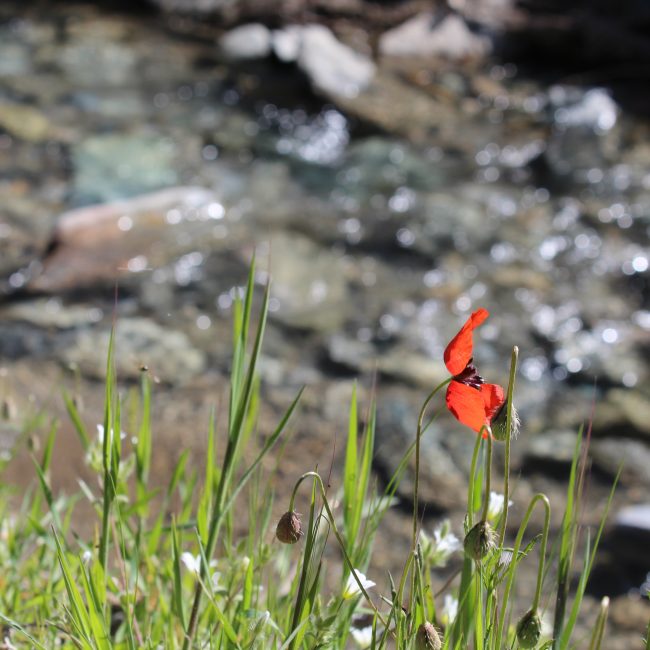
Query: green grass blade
{"points": [[586, 571], [177, 592], [350, 470], [75, 418]]}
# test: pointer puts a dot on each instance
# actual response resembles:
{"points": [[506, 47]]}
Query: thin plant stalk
{"points": [[317, 478], [599, 628], [416, 482], [506, 472], [515, 558], [488, 479]]}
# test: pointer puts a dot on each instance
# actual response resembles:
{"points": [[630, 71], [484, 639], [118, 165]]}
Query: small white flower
{"points": [[100, 434], [8, 644], [352, 588], [495, 505], [449, 610], [86, 556], [547, 625], [444, 545], [192, 562], [362, 636]]}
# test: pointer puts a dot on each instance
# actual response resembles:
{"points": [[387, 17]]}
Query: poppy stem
{"points": [[488, 479], [506, 475], [471, 492], [416, 481], [339, 538]]}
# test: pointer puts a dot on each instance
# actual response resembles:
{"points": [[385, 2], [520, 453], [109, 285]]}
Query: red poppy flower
{"points": [[469, 398]]}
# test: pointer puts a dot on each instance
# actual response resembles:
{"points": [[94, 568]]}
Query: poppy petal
{"points": [[459, 351], [467, 405], [493, 399]]}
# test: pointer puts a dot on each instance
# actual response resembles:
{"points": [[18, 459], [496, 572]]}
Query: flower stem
{"points": [[506, 474], [317, 478], [416, 481], [488, 480], [470, 491], [515, 552]]}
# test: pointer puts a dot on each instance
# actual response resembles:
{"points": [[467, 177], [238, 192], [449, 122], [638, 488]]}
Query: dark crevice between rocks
{"points": [[623, 563]]}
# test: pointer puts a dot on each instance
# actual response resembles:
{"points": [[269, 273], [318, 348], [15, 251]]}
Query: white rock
{"points": [[596, 110], [423, 36], [332, 67], [286, 43], [636, 516], [252, 41]]}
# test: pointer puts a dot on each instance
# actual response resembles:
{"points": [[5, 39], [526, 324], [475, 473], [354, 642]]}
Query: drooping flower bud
{"points": [[7, 409], [480, 540], [529, 629], [289, 528], [427, 637], [499, 423]]}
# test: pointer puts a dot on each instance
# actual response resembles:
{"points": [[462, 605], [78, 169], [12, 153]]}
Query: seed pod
{"points": [[499, 423], [289, 528], [427, 637], [480, 540], [529, 629]]}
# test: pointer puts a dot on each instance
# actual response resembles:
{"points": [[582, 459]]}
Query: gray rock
{"points": [[309, 284], [423, 36], [349, 352], [168, 354], [332, 67], [25, 122], [554, 446], [633, 455], [623, 411], [95, 59], [109, 167], [251, 41], [52, 313]]}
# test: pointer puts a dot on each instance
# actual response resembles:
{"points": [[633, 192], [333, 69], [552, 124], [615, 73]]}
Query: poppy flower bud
{"points": [[289, 528], [427, 637], [529, 629], [480, 540], [499, 424], [7, 409]]}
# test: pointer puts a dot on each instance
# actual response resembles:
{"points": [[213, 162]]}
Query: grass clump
{"points": [[195, 564]]}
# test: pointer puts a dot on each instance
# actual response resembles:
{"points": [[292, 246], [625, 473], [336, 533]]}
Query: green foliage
{"points": [[192, 564]]}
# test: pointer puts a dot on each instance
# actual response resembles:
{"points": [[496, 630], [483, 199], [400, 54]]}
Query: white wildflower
{"points": [[100, 434], [192, 562], [495, 505], [449, 610], [444, 544], [352, 587], [362, 636]]}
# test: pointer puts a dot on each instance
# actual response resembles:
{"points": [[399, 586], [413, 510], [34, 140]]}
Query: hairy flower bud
{"points": [[427, 637], [289, 528], [479, 541], [499, 423], [529, 629]]}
